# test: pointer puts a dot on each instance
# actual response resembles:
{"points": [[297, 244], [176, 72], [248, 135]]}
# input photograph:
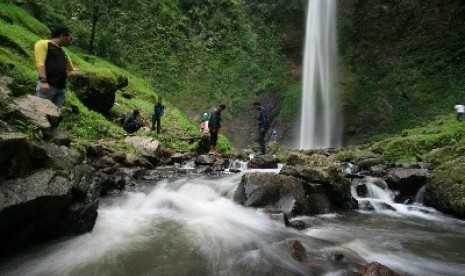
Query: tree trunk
{"points": [[95, 18]]}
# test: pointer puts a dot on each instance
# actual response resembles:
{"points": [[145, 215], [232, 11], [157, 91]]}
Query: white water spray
{"points": [[318, 127]]}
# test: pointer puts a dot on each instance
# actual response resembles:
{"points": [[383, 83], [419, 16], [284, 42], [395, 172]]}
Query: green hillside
{"points": [[18, 33], [401, 62]]}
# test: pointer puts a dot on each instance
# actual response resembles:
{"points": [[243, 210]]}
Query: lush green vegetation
{"points": [[197, 53], [438, 141], [404, 63], [17, 46]]}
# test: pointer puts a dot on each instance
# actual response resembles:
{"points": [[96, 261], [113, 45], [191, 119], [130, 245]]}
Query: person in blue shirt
{"points": [[263, 125], [158, 111]]}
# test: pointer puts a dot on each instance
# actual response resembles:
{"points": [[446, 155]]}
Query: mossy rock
{"points": [[355, 155], [446, 189]]}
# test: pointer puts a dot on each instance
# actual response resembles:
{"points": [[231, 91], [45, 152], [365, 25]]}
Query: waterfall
{"points": [[318, 126]]}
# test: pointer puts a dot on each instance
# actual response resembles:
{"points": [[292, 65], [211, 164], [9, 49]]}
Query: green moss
{"points": [[417, 143], [446, 189]]}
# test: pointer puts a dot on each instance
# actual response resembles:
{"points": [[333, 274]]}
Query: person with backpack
{"points": [[263, 125], [158, 111]]}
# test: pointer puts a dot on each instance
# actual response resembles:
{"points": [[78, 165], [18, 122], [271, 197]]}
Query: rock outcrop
{"points": [[51, 199], [46, 191], [97, 92]]}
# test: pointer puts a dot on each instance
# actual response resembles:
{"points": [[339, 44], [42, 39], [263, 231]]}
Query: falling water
{"points": [[318, 126]]}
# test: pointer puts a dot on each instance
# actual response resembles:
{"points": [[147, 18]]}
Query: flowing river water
{"points": [[190, 226]]}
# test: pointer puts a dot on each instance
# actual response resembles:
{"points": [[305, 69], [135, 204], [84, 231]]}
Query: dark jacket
{"points": [[263, 121], [215, 119], [131, 123]]}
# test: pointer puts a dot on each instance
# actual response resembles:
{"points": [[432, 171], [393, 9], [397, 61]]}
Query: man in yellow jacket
{"points": [[53, 66]]}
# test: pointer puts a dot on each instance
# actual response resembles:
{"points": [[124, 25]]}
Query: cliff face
{"points": [[400, 62]]}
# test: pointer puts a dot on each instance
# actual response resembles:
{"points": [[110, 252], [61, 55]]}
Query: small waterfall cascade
{"points": [[372, 194], [319, 125]]}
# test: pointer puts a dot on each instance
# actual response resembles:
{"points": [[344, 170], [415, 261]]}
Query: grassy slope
{"points": [[19, 31]]}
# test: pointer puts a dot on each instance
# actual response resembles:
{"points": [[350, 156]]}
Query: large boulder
{"points": [[445, 190], [263, 162], [40, 112], [97, 91], [45, 192], [46, 205], [148, 147], [289, 195], [407, 182], [18, 157], [326, 172]]}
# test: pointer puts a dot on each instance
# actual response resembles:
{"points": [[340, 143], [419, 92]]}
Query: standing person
{"points": [[214, 126], [53, 66], [460, 110], [158, 111], [263, 125]]}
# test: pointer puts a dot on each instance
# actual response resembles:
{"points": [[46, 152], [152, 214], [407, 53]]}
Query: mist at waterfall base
{"points": [[191, 226], [319, 122]]}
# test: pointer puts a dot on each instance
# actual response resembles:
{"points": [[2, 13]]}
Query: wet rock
{"points": [[367, 164], [181, 157], [45, 205], [290, 195], [205, 159], [297, 224], [376, 269], [263, 162], [298, 251], [328, 174], [407, 182]]}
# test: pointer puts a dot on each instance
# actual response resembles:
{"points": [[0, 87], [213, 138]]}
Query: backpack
{"points": [[130, 124]]}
